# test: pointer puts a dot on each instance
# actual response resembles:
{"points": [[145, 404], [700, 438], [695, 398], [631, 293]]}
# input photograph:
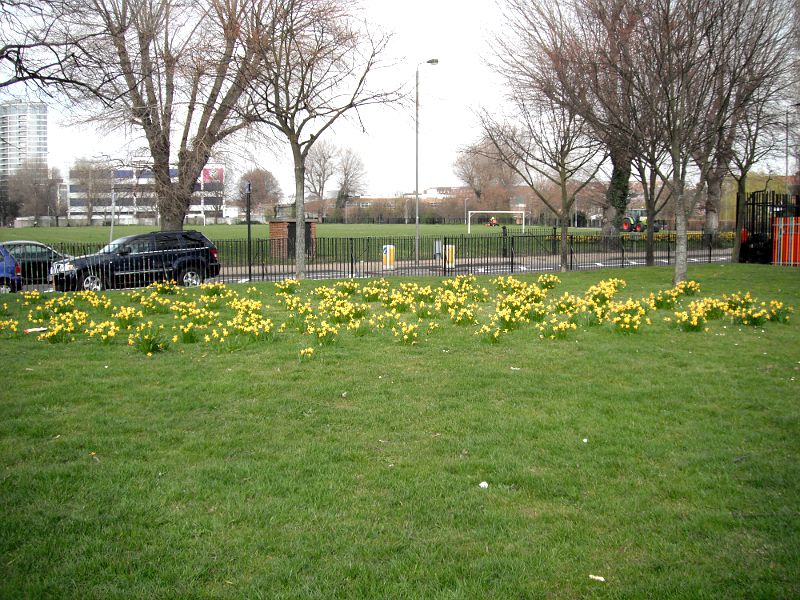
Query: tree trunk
{"points": [[299, 204], [713, 197], [618, 190], [650, 236], [681, 227], [741, 203]]}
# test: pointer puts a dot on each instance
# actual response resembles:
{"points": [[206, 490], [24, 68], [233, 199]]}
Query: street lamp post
{"points": [[432, 61]]}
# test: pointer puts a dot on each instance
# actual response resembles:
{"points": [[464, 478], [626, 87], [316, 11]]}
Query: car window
{"points": [[138, 245], [167, 242], [191, 241]]}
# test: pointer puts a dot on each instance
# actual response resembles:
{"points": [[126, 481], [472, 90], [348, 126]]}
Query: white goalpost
{"points": [[494, 212]]}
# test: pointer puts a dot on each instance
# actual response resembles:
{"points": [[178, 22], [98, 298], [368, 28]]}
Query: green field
{"points": [[51, 235], [663, 461]]}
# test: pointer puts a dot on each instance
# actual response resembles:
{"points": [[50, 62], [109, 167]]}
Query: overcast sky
{"points": [[457, 32]]}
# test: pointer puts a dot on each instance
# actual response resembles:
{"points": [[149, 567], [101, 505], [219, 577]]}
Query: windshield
{"points": [[112, 247]]}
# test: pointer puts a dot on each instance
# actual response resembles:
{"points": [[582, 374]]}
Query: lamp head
{"points": [[433, 61]]}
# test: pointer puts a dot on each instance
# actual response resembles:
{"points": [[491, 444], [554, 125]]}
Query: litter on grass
{"points": [[597, 577]]}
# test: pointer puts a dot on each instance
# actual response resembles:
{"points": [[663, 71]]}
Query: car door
{"points": [[30, 259], [134, 262], [168, 249]]}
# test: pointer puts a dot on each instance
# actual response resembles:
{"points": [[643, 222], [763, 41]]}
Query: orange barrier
{"points": [[786, 241]]}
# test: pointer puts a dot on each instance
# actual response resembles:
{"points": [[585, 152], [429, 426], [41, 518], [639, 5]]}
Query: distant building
{"points": [[23, 139], [130, 197]]}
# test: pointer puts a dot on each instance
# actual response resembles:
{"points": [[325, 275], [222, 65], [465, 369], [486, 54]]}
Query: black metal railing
{"points": [[330, 258]]}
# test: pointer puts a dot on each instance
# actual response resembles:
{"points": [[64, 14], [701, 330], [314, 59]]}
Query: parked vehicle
{"points": [[35, 260], [636, 220], [187, 257], [10, 272]]}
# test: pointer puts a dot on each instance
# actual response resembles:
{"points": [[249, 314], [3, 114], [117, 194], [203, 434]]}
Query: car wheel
{"points": [[190, 277], [91, 282], [5, 287]]}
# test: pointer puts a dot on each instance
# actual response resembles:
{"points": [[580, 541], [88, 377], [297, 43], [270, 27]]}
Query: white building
{"points": [[23, 139], [129, 197]]}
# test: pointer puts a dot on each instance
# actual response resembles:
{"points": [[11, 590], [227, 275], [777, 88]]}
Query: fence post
{"points": [[512, 253], [710, 245], [571, 260], [352, 258], [668, 247], [622, 248], [444, 255]]}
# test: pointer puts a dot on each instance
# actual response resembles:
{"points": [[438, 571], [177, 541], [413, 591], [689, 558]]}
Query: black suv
{"points": [[187, 257]]}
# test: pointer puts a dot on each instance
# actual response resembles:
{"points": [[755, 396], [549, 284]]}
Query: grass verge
{"points": [[663, 460]]}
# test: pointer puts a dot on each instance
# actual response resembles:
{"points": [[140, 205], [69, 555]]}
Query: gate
{"points": [[763, 211]]}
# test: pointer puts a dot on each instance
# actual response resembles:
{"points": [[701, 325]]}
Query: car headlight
{"points": [[64, 267]]}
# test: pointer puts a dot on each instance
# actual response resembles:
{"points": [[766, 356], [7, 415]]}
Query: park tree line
{"points": [[676, 93], [188, 76]]}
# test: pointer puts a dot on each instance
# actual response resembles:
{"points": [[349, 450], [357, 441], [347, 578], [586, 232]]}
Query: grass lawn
{"points": [[96, 234], [664, 461]]}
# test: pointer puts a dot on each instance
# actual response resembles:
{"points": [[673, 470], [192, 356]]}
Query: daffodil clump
{"points": [[400, 301], [154, 302], [165, 288], [226, 318], [42, 311], [306, 353], [62, 327], [375, 290], [342, 311], [688, 288], [105, 331], [148, 338], [555, 327], [252, 324], [323, 332], [408, 333], [347, 287], [212, 289], [751, 315], [30, 298], [687, 320], [627, 316], [604, 292], [190, 312], [288, 286], [189, 333], [779, 312], [95, 300], [665, 299], [126, 316], [9, 327], [547, 281]]}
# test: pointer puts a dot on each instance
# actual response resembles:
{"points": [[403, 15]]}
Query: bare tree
{"points": [[95, 181], [177, 71], [676, 74], [315, 67], [750, 67], [41, 46], [571, 51], [352, 177], [759, 135], [265, 191], [547, 146], [321, 165], [33, 188]]}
